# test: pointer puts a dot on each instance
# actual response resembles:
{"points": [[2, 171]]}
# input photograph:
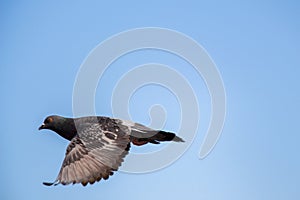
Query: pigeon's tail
{"points": [[162, 136], [157, 137]]}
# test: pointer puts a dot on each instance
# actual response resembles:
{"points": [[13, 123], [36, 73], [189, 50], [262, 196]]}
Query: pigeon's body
{"points": [[98, 145]]}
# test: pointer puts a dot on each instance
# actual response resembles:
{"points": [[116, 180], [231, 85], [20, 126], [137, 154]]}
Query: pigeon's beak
{"points": [[42, 127]]}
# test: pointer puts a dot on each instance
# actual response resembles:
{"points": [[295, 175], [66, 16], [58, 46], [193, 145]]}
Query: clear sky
{"points": [[255, 45]]}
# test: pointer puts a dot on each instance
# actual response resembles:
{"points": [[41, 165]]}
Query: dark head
{"points": [[65, 127], [52, 122]]}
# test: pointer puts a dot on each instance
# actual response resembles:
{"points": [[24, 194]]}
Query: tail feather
{"points": [[177, 139], [156, 138], [162, 136]]}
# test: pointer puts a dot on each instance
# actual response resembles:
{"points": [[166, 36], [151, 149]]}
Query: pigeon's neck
{"points": [[66, 129]]}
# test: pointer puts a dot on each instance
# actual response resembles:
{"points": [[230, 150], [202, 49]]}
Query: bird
{"points": [[98, 145]]}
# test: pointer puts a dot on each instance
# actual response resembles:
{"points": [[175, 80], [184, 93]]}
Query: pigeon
{"points": [[98, 145]]}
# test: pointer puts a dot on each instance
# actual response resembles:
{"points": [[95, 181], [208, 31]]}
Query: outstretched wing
{"points": [[93, 154]]}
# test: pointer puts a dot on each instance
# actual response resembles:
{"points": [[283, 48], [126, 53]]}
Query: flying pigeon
{"points": [[98, 145]]}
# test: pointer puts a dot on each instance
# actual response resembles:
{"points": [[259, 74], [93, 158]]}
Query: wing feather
{"points": [[93, 154]]}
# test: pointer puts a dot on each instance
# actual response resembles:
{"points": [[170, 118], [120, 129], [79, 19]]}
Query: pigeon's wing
{"points": [[93, 154], [135, 129], [140, 134]]}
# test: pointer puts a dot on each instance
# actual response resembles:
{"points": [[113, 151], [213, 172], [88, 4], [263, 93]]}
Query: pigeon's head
{"points": [[65, 127], [52, 122]]}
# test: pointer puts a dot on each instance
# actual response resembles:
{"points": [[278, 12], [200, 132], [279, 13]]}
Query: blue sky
{"points": [[255, 45]]}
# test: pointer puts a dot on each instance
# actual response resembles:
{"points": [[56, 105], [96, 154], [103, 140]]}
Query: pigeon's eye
{"points": [[48, 120]]}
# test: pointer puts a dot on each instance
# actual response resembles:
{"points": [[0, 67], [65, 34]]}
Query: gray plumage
{"points": [[98, 145]]}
